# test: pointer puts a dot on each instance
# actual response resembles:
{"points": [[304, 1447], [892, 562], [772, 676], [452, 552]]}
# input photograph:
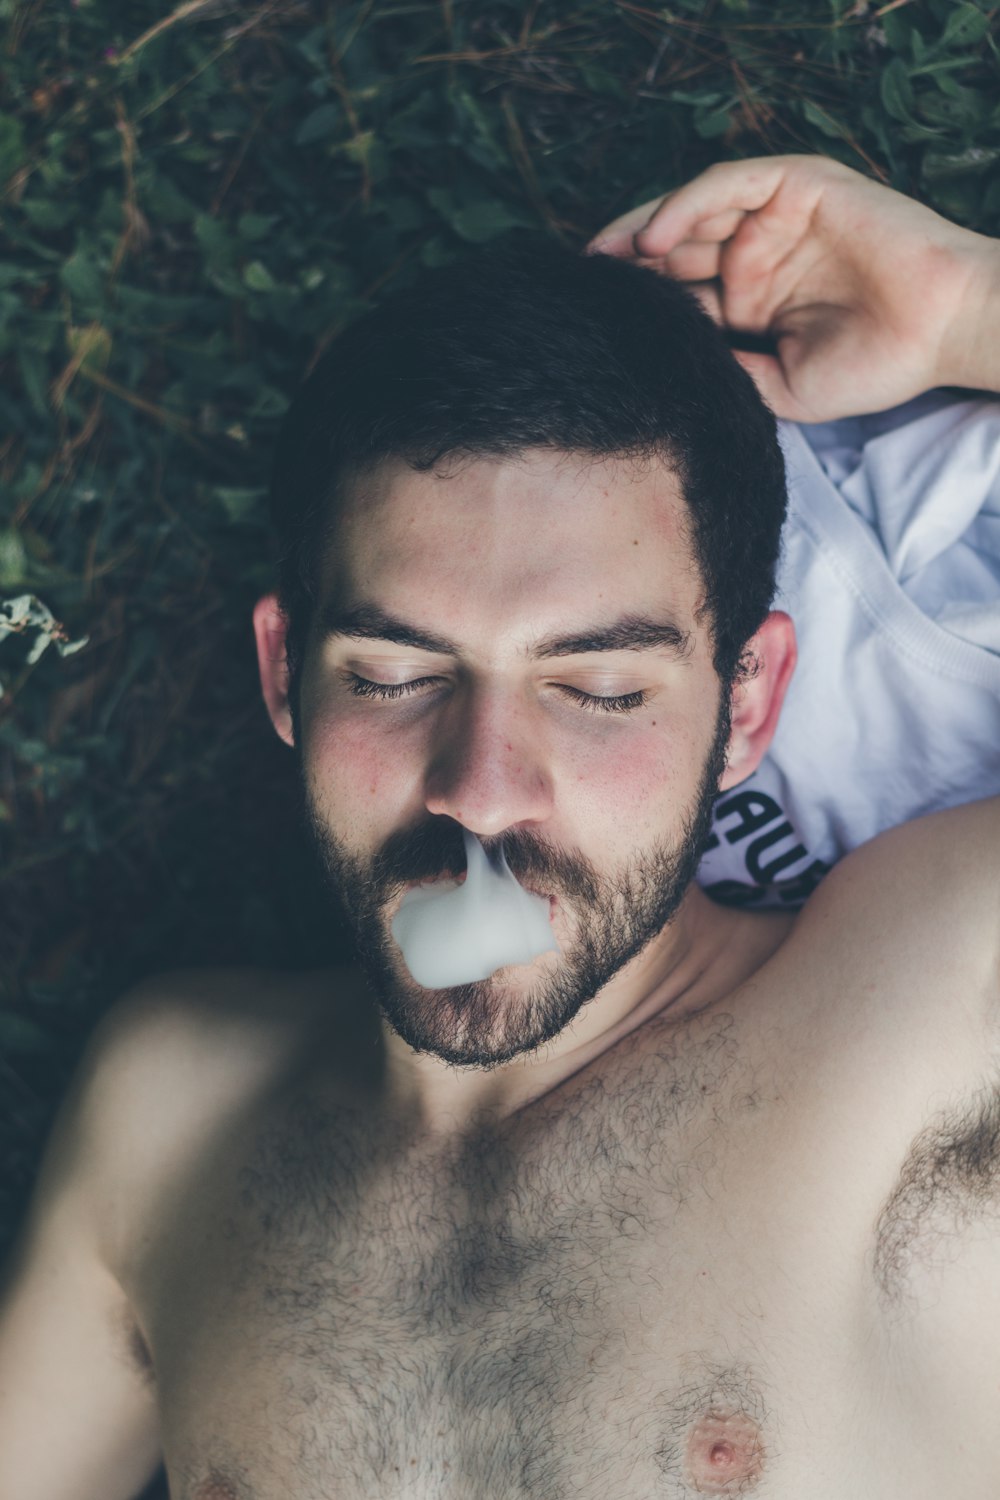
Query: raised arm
{"points": [[77, 1414], [869, 297]]}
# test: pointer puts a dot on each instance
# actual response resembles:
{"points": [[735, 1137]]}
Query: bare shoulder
{"points": [[209, 1021], [922, 897], [170, 1065], [940, 863]]}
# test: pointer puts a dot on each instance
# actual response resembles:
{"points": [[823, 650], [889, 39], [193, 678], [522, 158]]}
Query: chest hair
{"points": [[474, 1292]]}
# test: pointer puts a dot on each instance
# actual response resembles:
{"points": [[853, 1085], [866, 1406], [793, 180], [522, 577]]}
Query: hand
{"points": [[869, 297]]}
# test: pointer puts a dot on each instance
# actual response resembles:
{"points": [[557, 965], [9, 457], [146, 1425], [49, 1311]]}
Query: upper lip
{"points": [[460, 876], [430, 879]]}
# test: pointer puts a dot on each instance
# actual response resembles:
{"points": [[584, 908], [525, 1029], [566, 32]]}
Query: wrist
{"points": [[970, 349]]}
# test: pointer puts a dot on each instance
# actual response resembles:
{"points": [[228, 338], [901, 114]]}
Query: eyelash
{"points": [[362, 687]]}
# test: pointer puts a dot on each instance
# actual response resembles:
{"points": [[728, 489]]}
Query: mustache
{"points": [[437, 846]]}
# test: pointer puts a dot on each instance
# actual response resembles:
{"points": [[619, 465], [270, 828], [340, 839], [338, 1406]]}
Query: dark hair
{"points": [[527, 346]]}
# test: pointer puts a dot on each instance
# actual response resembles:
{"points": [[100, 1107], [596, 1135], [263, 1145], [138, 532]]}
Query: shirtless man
{"points": [[708, 1202]]}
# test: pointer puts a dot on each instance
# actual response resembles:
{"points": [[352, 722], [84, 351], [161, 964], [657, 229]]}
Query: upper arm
{"points": [[77, 1417], [77, 1411], [165, 1071]]}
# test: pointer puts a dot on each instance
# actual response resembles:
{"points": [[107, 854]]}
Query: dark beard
{"points": [[486, 1023]]}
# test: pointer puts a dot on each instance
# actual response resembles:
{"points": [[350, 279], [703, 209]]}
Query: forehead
{"points": [[545, 525]]}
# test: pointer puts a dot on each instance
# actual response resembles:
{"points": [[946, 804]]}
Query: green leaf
{"points": [[896, 91], [163, 200], [268, 402], [475, 130], [11, 146], [241, 505], [601, 81], [966, 25], [700, 97], [84, 280], [900, 31], [213, 237], [49, 213], [367, 151], [323, 122], [258, 278], [33, 371], [13, 560], [477, 222], [715, 124], [256, 226], [823, 122]]}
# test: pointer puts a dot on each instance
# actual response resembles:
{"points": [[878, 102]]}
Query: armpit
{"points": [[140, 1356], [950, 1179], [131, 1345]]}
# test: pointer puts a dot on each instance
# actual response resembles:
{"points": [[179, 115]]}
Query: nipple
{"points": [[454, 934], [724, 1454]]}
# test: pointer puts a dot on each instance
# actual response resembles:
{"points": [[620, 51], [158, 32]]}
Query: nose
{"points": [[488, 766]]}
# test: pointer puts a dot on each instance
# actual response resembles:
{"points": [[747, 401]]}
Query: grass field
{"points": [[195, 204]]}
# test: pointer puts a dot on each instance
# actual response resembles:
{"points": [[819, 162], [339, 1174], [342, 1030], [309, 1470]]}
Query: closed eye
{"points": [[627, 703]]}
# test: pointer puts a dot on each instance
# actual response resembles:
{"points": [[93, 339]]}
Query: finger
{"points": [[718, 227], [617, 237], [714, 231], [725, 189], [621, 235], [692, 262]]}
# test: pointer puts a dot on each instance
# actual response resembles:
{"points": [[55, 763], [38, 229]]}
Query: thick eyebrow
{"points": [[368, 622]]}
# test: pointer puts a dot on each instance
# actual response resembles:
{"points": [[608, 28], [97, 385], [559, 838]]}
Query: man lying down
{"points": [[636, 1193]]}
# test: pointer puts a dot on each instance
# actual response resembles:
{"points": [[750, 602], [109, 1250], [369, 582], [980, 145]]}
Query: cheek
{"points": [[659, 769], [347, 766]]}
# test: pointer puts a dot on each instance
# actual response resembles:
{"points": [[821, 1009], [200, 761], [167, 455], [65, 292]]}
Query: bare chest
{"points": [[665, 1282]]}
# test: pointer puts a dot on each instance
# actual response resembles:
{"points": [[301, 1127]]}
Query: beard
{"points": [[490, 1021]]}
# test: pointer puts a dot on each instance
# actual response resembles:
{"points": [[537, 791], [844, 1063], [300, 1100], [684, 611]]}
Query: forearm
{"points": [[970, 354]]}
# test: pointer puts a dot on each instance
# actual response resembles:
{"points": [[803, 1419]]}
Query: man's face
{"points": [[453, 588]]}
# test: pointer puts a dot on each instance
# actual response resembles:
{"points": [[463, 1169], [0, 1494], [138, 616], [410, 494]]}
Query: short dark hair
{"points": [[529, 345]]}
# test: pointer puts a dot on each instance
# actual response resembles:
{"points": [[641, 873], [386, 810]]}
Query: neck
{"points": [[699, 961]]}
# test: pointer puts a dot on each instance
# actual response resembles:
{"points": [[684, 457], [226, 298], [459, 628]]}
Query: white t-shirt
{"points": [[890, 570]]}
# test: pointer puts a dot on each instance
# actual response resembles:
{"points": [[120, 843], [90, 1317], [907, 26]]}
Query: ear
{"points": [[270, 628], [757, 700]]}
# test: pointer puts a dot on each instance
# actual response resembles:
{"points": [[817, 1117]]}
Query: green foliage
{"points": [[195, 204]]}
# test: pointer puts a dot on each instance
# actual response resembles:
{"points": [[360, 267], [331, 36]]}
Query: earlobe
{"points": [[757, 699], [270, 629]]}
